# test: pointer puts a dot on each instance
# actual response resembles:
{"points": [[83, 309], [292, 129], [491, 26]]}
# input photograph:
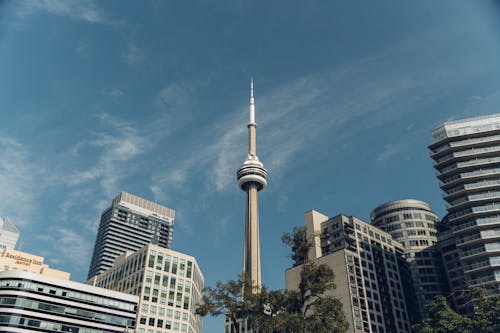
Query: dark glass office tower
{"points": [[127, 225]]}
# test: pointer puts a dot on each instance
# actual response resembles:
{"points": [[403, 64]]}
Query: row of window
{"points": [[160, 323], [66, 310], [64, 292], [155, 310], [25, 322]]}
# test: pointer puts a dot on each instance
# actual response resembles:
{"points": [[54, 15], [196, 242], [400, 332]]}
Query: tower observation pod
{"points": [[252, 177]]}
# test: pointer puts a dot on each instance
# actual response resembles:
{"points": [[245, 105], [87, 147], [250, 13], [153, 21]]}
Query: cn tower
{"points": [[251, 179]]}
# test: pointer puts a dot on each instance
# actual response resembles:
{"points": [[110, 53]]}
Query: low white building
{"points": [[32, 302]]}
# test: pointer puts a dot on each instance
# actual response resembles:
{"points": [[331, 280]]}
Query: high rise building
{"points": [[251, 179], [36, 303], [368, 267], [413, 224], [466, 156], [8, 234], [168, 283], [127, 225]]}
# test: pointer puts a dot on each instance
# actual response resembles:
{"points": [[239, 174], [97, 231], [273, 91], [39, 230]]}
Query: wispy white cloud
{"points": [[337, 104], [116, 149], [67, 247], [115, 93], [390, 150], [21, 179], [174, 95], [158, 193], [82, 49], [133, 55], [83, 10]]}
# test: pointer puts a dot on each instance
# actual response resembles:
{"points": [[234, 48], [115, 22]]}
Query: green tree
{"points": [[485, 312], [226, 299], [309, 308], [485, 316], [443, 319]]}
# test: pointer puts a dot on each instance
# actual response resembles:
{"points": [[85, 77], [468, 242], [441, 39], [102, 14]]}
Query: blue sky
{"points": [[151, 97]]}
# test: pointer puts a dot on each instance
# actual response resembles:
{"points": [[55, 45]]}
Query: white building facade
{"points": [[32, 302], [169, 285], [466, 156]]}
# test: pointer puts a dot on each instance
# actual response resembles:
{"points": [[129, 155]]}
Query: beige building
{"points": [[368, 267], [22, 261], [168, 283]]}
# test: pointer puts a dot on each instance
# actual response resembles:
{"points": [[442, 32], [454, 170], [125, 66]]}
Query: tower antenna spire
{"points": [[252, 104], [252, 177]]}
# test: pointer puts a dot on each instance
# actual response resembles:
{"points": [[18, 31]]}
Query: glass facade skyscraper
{"points": [[466, 156], [127, 225]]}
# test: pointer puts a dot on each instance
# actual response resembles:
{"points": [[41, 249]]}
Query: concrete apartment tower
{"points": [[251, 179], [413, 224], [370, 271], [466, 156], [127, 225]]}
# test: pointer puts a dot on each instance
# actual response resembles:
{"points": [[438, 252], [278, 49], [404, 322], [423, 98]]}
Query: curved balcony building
{"points": [[466, 156], [413, 224]]}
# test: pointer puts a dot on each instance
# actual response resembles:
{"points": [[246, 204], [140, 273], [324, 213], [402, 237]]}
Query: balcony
{"points": [[478, 237], [477, 223], [481, 265]]}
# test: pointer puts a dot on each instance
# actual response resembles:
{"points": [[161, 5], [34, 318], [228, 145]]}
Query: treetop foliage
{"points": [[485, 317], [308, 308]]}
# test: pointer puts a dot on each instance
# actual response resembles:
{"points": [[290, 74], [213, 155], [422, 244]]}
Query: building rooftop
{"points": [[7, 225], [467, 126], [143, 206]]}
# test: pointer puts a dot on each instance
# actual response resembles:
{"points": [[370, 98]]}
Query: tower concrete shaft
{"points": [[251, 179]]}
